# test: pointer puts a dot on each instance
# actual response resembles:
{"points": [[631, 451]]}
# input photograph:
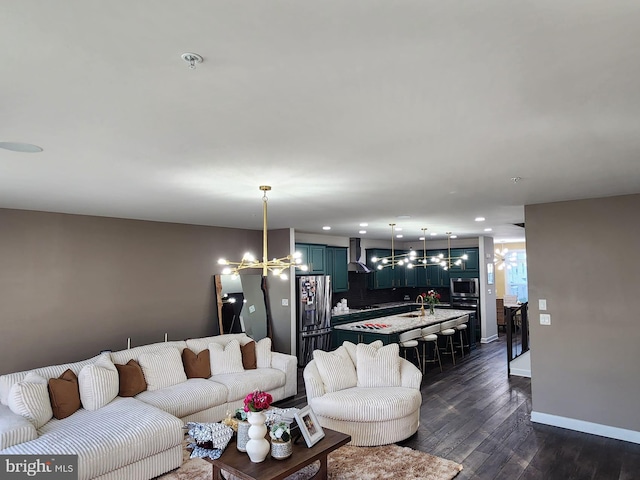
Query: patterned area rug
{"points": [[350, 463]]}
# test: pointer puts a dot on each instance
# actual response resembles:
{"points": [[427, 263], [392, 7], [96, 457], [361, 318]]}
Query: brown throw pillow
{"points": [[196, 366], [131, 379], [249, 361], [64, 394]]}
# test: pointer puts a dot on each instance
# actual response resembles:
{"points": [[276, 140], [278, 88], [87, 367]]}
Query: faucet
{"points": [[422, 302]]}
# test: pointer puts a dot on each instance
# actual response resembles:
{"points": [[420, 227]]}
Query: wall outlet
{"points": [[542, 304], [285, 302], [545, 319]]}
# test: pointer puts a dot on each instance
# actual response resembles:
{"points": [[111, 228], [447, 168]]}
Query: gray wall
{"points": [[583, 257], [72, 285]]}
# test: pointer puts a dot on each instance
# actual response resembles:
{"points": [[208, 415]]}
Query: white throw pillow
{"points": [[30, 399], [263, 353], [225, 359], [98, 383], [336, 369], [378, 367], [351, 349], [162, 368]]}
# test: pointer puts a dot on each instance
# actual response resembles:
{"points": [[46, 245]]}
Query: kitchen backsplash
{"points": [[360, 296]]}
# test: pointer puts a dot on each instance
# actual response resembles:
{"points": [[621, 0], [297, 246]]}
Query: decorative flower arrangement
{"points": [[280, 432], [257, 401], [431, 297]]}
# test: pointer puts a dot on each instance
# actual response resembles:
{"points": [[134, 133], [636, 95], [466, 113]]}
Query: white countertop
{"points": [[403, 321]]}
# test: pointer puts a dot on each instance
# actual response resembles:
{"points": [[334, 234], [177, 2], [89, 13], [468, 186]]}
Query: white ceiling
{"points": [[354, 111]]}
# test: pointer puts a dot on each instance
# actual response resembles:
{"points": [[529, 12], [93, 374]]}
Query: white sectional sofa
{"points": [[140, 437]]}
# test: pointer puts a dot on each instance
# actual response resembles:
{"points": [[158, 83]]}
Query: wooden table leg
{"points": [[217, 473], [321, 474]]}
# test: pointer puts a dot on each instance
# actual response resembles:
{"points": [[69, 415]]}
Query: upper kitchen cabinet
{"points": [[383, 278], [337, 266], [314, 256], [469, 267]]}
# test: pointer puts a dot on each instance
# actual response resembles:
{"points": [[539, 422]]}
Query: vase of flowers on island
{"points": [[280, 440], [257, 447], [431, 297]]}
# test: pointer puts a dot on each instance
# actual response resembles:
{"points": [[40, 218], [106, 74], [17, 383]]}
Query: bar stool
{"points": [[408, 340], [447, 330], [429, 336], [461, 328]]}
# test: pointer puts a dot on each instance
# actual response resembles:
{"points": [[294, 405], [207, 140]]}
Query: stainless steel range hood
{"points": [[355, 255]]}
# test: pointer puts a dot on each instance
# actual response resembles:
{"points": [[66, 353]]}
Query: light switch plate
{"points": [[285, 302], [545, 319], [542, 304], [252, 308]]}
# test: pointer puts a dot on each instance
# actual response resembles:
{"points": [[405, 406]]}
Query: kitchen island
{"points": [[387, 328]]}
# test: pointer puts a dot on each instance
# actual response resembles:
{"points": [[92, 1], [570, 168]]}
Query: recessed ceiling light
{"points": [[403, 217], [421, 238], [20, 147], [454, 236], [326, 227], [399, 236], [480, 219], [433, 234], [488, 229], [362, 232], [364, 224]]}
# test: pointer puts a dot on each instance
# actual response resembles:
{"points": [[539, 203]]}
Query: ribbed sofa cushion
{"points": [[240, 384], [122, 432], [199, 344], [368, 404], [194, 395], [123, 356], [14, 428]]}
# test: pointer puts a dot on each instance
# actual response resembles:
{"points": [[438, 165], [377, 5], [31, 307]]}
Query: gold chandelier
{"points": [[407, 259], [277, 266], [502, 260]]}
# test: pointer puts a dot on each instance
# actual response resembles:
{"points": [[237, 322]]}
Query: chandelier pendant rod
{"points": [[265, 256]]}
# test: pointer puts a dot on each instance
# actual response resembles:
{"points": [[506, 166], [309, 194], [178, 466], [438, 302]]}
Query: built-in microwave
{"points": [[464, 287]]}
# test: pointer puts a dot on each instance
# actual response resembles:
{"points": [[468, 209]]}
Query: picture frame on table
{"points": [[309, 426]]}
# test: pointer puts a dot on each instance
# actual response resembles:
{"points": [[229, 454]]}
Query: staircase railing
{"points": [[517, 320]]}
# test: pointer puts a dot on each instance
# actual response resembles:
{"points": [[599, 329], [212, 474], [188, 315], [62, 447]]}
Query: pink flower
{"points": [[257, 401]]}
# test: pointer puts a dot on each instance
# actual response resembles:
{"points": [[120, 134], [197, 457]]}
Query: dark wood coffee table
{"points": [[238, 463]]}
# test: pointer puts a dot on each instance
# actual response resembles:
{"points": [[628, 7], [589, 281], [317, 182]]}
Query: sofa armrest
{"points": [[313, 384], [14, 428], [289, 365], [410, 375]]}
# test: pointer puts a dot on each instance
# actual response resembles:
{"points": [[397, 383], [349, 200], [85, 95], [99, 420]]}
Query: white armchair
{"points": [[366, 391]]}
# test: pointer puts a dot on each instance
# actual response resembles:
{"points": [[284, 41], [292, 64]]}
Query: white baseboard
{"points": [[520, 372], [586, 427], [490, 339]]}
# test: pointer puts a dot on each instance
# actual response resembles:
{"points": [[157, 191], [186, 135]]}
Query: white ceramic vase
{"points": [[258, 446]]}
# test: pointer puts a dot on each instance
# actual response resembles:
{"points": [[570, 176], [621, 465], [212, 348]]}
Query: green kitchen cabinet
{"points": [[314, 256], [337, 267], [469, 267], [383, 278]]}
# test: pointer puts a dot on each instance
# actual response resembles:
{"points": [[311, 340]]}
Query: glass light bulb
{"points": [[284, 276], [222, 261], [400, 262], [380, 267], [446, 268], [374, 259], [458, 262], [441, 255], [465, 257], [409, 265], [443, 264], [226, 271], [304, 268], [384, 260], [297, 255], [277, 271]]}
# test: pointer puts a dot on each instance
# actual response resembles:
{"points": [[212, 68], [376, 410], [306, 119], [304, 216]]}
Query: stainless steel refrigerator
{"points": [[314, 316]]}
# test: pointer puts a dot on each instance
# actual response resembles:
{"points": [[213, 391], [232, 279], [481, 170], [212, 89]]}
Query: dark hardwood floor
{"points": [[475, 415]]}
